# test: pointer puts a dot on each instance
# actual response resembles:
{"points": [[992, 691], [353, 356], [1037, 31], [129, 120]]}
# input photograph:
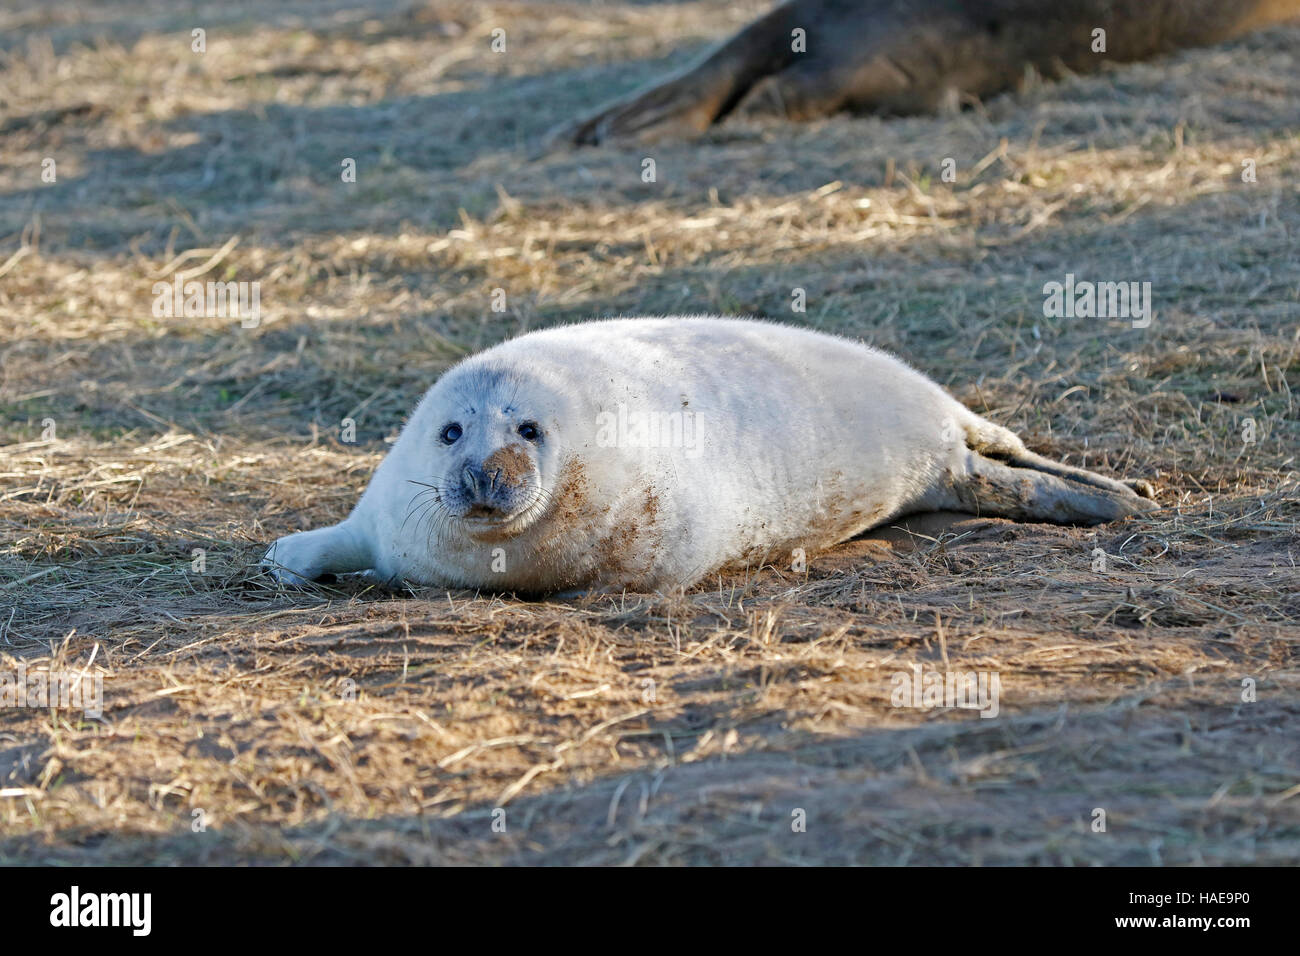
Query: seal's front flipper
{"points": [[678, 108], [303, 557], [993, 489], [689, 103]]}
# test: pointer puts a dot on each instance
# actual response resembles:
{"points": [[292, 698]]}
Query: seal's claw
{"points": [[1143, 488], [281, 564]]}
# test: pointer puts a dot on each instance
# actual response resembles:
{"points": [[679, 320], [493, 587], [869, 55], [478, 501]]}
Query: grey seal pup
{"points": [[648, 453]]}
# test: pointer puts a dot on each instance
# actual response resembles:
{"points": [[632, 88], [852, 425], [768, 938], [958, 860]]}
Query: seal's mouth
{"points": [[489, 521], [489, 514]]}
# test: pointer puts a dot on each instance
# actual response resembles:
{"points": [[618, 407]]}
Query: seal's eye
{"points": [[450, 434], [529, 431]]}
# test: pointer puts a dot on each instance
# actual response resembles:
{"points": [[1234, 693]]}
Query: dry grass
{"points": [[1121, 689]]}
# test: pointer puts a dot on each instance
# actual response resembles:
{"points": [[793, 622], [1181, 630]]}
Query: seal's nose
{"points": [[480, 485]]}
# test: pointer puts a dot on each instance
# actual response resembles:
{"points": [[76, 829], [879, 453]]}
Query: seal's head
{"points": [[493, 442]]}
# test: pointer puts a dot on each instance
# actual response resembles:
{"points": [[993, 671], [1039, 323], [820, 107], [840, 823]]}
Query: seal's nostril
{"points": [[493, 479], [469, 480]]}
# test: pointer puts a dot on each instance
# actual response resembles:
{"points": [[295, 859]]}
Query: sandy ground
{"points": [[146, 460]]}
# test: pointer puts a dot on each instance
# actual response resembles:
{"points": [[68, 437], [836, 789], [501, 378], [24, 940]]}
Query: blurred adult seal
{"points": [[646, 454], [811, 58]]}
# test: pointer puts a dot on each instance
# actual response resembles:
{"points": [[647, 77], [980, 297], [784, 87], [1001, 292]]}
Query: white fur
{"points": [[807, 440]]}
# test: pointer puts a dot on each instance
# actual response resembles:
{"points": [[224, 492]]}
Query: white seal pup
{"points": [[647, 453]]}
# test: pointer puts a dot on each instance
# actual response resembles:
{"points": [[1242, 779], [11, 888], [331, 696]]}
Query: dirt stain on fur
{"points": [[621, 546], [513, 463]]}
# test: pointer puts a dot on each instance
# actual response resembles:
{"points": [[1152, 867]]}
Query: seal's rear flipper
{"points": [[303, 557], [1060, 495], [993, 441]]}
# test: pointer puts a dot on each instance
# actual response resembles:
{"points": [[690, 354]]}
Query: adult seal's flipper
{"points": [[690, 102]]}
